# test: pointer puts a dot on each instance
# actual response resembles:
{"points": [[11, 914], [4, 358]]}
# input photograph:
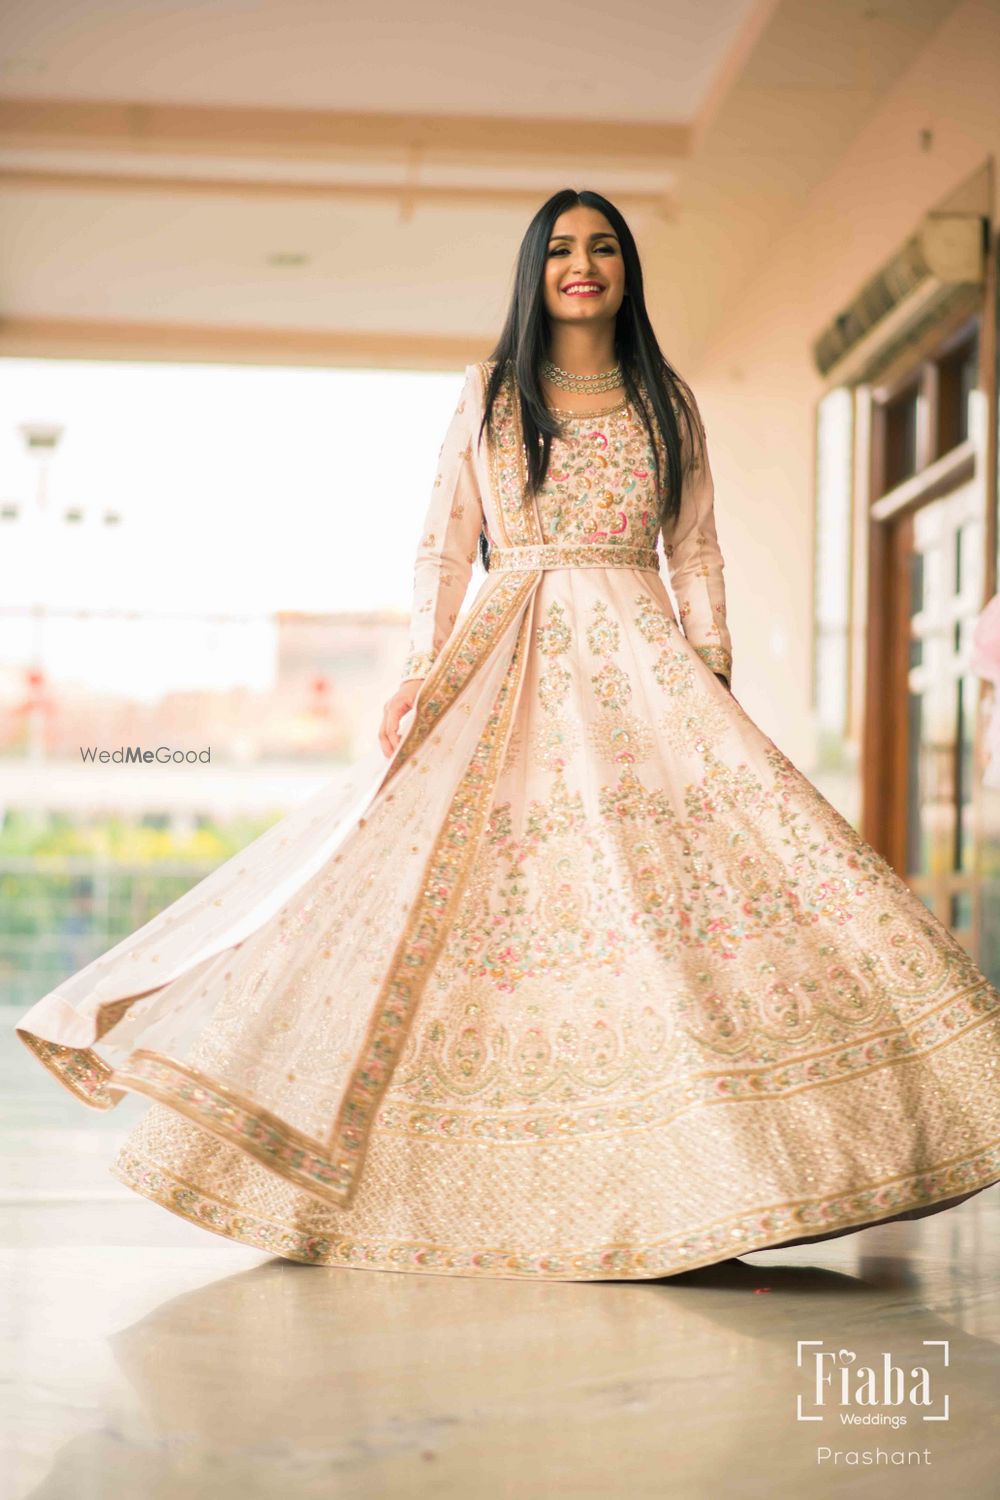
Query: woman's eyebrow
{"points": [[604, 235]]}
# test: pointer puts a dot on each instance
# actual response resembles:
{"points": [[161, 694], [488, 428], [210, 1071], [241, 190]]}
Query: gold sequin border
{"points": [[465, 653], [78, 1069], [951, 1019], [81, 1070], [427, 928], [716, 657], [575, 555], [508, 466], [234, 1117], [764, 1227]]}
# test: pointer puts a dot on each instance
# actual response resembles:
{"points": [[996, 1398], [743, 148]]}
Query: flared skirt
{"points": [[586, 981]]}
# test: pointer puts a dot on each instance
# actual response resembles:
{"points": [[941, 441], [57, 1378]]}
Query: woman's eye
{"points": [[561, 249]]}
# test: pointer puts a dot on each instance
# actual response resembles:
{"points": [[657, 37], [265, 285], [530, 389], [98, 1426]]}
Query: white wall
{"points": [[756, 381]]}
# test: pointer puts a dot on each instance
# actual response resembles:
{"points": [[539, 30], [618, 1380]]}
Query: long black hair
{"points": [[651, 383]]}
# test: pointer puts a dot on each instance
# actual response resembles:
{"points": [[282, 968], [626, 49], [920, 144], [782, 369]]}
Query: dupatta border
{"points": [[428, 925], [455, 847], [468, 648], [519, 520], [79, 1069], [492, 458]]}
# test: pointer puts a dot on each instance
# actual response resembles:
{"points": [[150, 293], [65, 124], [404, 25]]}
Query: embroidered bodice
{"points": [[600, 490], [601, 481]]}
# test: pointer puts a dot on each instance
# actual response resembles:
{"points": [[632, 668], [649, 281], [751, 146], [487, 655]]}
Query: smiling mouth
{"points": [[583, 289]]}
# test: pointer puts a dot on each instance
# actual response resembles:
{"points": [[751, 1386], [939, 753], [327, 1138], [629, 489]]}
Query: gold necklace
{"points": [[608, 380]]}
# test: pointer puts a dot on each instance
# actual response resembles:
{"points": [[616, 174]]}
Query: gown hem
{"points": [[617, 1261]]}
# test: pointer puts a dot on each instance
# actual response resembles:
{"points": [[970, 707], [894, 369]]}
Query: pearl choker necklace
{"points": [[609, 380]]}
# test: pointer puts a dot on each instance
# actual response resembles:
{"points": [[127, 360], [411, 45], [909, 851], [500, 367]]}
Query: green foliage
{"points": [[61, 877], [122, 840]]}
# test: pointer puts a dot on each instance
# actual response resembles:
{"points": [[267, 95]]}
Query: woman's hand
{"points": [[399, 704]]}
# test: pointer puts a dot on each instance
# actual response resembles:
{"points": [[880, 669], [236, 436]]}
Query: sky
{"points": [[241, 490]]}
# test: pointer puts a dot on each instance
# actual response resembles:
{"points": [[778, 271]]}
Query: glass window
{"points": [[958, 375], [834, 494], [901, 437]]}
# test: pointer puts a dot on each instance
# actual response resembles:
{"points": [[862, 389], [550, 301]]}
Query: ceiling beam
{"points": [[412, 193], [81, 338], [319, 133]]}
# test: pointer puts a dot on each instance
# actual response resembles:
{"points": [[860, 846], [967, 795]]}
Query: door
{"points": [[928, 554], [938, 572]]}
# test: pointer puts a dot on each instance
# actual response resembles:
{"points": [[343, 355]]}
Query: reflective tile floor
{"points": [[148, 1359]]}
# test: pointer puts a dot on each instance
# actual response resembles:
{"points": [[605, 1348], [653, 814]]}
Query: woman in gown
{"points": [[578, 978]]}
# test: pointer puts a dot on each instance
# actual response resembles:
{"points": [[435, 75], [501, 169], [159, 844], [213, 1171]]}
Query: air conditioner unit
{"points": [[939, 266]]}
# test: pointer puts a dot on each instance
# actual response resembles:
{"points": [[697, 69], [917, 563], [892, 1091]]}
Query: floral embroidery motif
{"points": [[553, 638], [417, 664], [516, 937], [672, 669], [553, 687], [556, 738], [556, 741], [617, 735], [694, 726], [601, 483], [622, 739], [604, 635]]}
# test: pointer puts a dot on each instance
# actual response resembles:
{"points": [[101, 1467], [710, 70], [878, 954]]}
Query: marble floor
{"points": [[148, 1359]]}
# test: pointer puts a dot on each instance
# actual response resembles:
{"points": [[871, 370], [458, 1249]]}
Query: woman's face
{"points": [[583, 253]]}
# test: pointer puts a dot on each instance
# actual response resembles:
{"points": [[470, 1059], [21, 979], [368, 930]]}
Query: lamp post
{"points": [[41, 440]]}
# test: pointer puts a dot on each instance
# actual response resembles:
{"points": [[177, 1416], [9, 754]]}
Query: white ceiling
{"points": [[630, 60], [155, 158]]}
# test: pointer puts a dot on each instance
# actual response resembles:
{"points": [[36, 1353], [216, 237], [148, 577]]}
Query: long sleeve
{"points": [[447, 548], [695, 567]]}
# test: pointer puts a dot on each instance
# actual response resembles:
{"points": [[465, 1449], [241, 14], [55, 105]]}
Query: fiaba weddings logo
{"points": [[886, 1393]]}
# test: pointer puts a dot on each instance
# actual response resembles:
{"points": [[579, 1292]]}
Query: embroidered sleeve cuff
{"points": [[718, 659], [417, 664]]}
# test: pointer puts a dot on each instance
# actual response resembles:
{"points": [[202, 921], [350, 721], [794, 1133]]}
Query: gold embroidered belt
{"points": [[575, 555]]}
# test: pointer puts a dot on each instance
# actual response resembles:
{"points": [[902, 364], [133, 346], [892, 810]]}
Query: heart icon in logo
{"points": [[847, 1356]]}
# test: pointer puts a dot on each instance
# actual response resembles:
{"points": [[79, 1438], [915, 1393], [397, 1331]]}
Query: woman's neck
{"points": [[582, 351]]}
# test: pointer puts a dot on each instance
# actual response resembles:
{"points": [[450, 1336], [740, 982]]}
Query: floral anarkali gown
{"points": [[585, 981]]}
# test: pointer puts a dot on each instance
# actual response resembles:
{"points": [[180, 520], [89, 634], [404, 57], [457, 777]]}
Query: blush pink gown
{"points": [[586, 981]]}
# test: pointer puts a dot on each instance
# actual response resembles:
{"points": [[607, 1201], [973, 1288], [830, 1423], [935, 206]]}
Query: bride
{"points": [[579, 977]]}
